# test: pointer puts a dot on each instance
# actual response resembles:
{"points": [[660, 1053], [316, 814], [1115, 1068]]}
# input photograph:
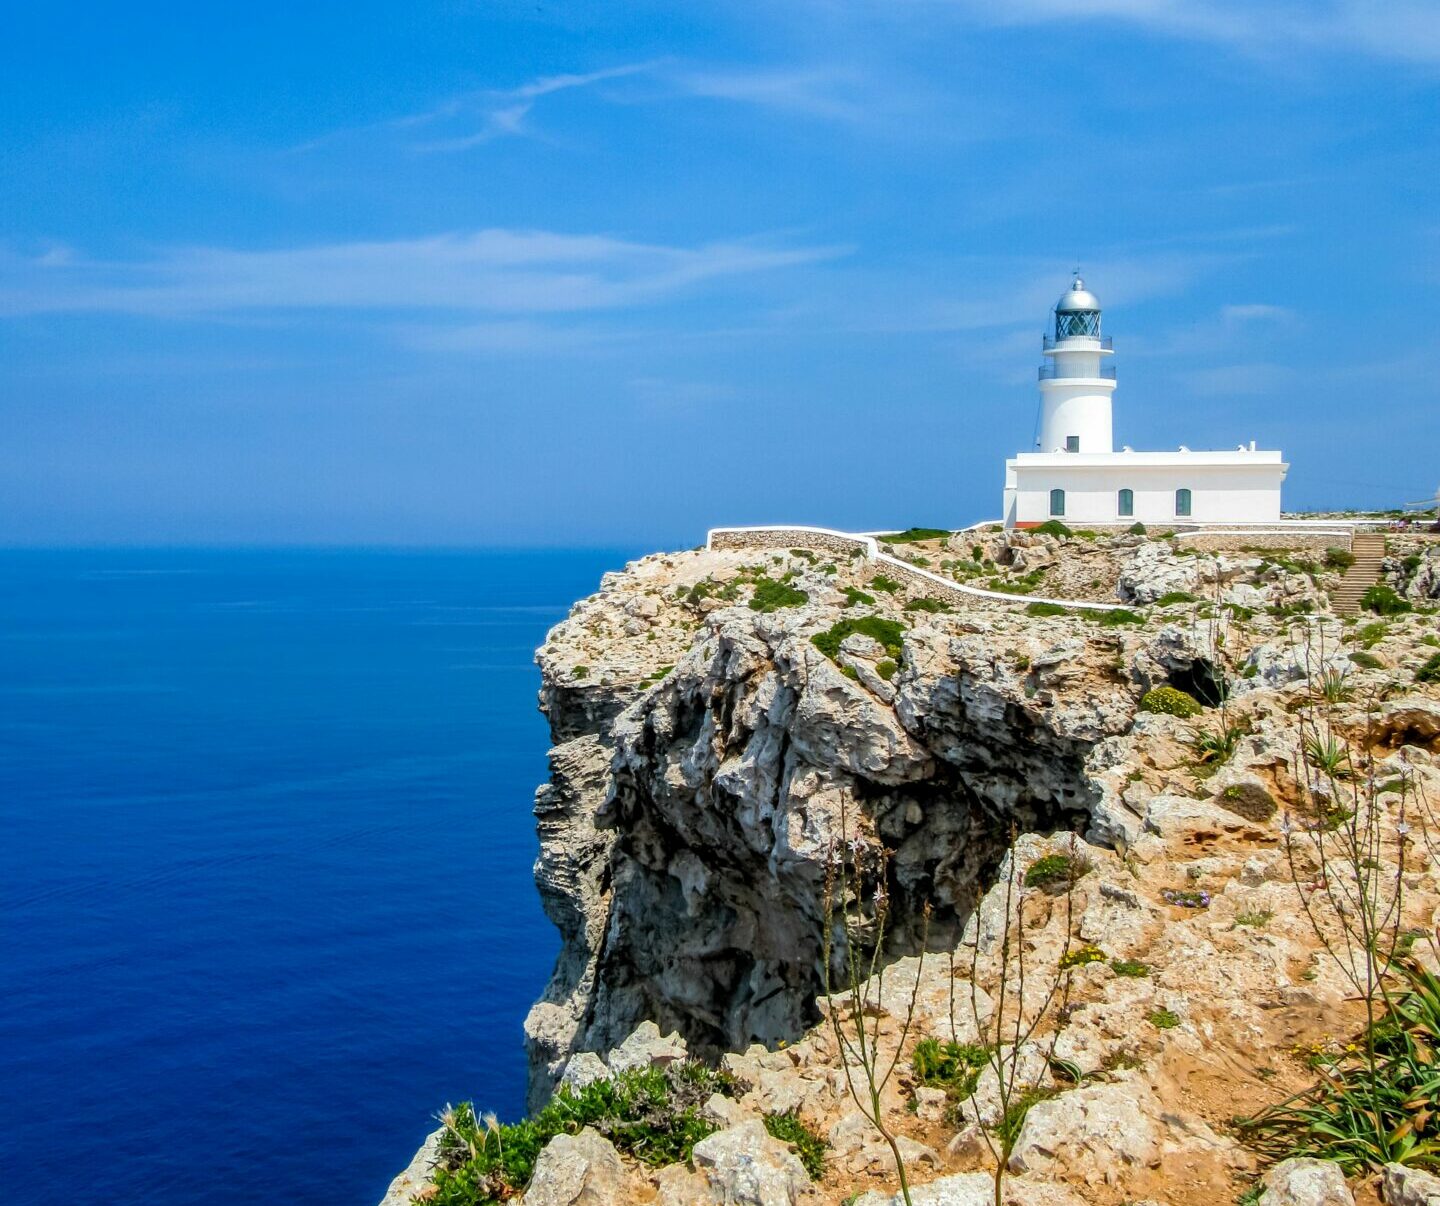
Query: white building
{"points": [[1076, 475]]}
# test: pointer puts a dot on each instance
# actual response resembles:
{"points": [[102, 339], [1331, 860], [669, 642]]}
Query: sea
{"points": [[266, 847]]}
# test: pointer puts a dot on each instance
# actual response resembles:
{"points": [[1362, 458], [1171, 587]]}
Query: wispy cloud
{"points": [[494, 271], [1392, 29]]}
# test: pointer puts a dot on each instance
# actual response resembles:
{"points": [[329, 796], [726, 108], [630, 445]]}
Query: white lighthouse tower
{"points": [[1074, 473], [1077, 380]]}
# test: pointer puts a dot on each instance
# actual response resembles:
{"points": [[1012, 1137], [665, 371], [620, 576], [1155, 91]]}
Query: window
{"points": [[1127, 502], [1182, 502], [1072, 443], [1057, 502]]}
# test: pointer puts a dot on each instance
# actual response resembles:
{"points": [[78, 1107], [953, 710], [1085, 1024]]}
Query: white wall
{"points": [[1219, 493]]}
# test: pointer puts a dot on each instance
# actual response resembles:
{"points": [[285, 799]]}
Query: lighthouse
{"points": [[1078, 378], [1074, 475]]}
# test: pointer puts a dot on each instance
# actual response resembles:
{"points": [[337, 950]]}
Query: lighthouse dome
{"points": [[1076, 298]]}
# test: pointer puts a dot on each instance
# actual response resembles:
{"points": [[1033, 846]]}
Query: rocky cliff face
{"points": [[709, 757]]}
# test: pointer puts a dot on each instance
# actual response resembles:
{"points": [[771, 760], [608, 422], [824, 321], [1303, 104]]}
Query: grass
{"points": [[1360, 1120], [771, 595], [653, 1115], [890, 633], [1170, 701], [804, 1142], [1055, 870], [1372, 634], [1366, 661], [854, 597], [1045, 609], [1214, 746], [1163, 1019], [1169, 598], [954, 1067], [1254, 918], [1430, 671], [1130, 968], [1007, 1130], [1383, 601]]}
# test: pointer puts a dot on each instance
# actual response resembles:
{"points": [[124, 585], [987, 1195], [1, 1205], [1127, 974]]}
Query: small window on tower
{"points": [[1072, 443], [1127, 502], [1057, 502], [1182, 502]]}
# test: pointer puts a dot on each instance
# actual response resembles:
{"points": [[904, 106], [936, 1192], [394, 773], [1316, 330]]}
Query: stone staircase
{"points": [[1369, 550]]}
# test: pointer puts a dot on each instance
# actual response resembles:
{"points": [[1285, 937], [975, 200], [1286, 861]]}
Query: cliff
{"points": [[726, 721]]}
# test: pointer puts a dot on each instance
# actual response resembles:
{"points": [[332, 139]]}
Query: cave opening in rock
{"points": [[1202, 679]]}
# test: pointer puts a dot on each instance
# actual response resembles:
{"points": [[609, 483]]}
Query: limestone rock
{"points": [[977, 1189], [1404, 1186], [417, 1175], [744, 1166], [645, 1048], [1301, 1181], [583, 1068], [578, 1170], [1099, 1133]]}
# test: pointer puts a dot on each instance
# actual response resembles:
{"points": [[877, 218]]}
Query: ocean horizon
{"points": [[266, 862]]}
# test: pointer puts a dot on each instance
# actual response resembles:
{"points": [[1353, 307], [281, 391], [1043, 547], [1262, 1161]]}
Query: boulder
{"points": [[583, 1068], [1403, 1186], [578, 1170], [645, 1048], [744, 1166], [1099, 1133], [1301, 1181]]}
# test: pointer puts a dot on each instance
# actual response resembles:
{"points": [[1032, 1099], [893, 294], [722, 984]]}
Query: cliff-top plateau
{"points": [[870, 892]]}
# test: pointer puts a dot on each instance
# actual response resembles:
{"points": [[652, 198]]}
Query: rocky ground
{"points": [[731, 726]]}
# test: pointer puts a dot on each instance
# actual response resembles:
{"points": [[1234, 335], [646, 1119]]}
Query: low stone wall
{"points": [[820, 539], [1234, 542]]}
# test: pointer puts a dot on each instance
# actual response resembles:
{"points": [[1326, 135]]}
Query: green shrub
{"points": [[1366, 1114], [954, 1067], [913, 535], [1052, 527], [1163, 1019], [1412, 563], [1339, 559], [890, 633], [653, 1115], [1383, 601], [1366, 661], [1172, 597], [1372, 634], [1136, 529], [1114, 619], [977, 552], [854, 597], [1170, 701], [581, 672], [1055, 870], [1430, 671], [1080, 956], [926, 603], [886, 669], [881, 582], [804, 1142], [1045, 609], [772, 596], [1131, 968]]}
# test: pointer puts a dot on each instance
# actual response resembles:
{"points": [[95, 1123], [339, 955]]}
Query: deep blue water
{"points": [[265, 863]]}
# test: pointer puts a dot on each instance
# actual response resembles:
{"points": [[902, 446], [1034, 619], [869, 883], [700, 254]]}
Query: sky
{"points": [[583, 273]]}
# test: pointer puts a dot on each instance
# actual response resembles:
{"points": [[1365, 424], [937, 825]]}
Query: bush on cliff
{"points": [[1383, 601], [772, 596], [1170, 701], [651, 1114], [1051, 527], [914, 535], [890, 633]]}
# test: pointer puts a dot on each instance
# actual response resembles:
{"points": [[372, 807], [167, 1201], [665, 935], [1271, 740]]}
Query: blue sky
{"points": [[575, 273]]}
